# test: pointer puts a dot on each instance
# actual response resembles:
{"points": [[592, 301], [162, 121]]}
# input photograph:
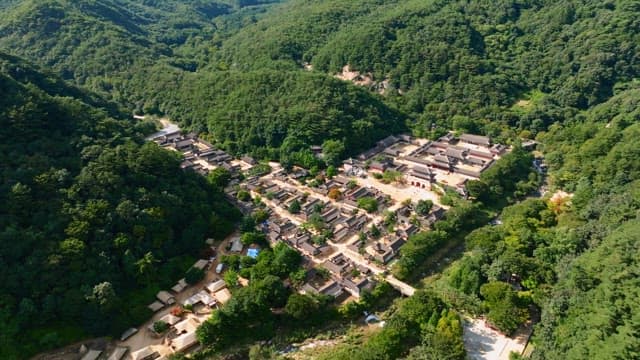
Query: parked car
{"points": [[219, 268]]}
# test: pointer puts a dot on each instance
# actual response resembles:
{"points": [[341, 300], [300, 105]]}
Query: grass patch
{"points": [[529, 101]]}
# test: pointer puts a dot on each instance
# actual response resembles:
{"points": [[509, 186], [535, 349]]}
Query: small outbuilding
{"points": [[166, 297], [184, 342], [118, 353], [201, 264], [92, 355], [223, 295], [180, 286], [216, 285], [155, 306], [128, 333]]}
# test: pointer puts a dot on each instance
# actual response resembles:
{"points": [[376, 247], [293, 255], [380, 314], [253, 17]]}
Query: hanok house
{"points": [[498, 149], [421, 177], [369, 153], [436, 214], [183, 145], [409, 230], [337, 265], [310, 207], [447, 138], [331, 214], [356, 285], [443, 162], [456, 153], [356, 222], [388, 141], [308, 248], [476, 140], [248, 160], [350, 164], [357, 193], [165, 297], [379, 166], [404, 214], [330, 288], [385, 252], [340, 231]]}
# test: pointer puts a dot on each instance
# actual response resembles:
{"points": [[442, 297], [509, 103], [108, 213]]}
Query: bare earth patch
{"points": [[524, 103], [484, 343]]}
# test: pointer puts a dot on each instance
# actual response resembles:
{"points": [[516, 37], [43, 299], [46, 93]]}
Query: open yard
{"points": [[399, 192], [484, 343]]}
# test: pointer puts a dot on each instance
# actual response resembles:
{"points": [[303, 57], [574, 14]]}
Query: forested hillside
{"points": [[592, 310], [93, 222], [110, 46], [453, 58], [269, 113]]}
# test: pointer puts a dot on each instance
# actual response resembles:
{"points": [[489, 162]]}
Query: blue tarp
{"points": [[253, 253]]}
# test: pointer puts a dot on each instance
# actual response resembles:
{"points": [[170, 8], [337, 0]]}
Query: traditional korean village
{"points": [[319, 180], [349, 226]]}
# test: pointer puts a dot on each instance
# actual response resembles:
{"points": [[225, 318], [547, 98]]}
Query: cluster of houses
{"points": [[341, 215], [425, 162], [166, 298], [211, 296], [181, 332], [385, 246], [468, 155], [181, 336], [347, 275], [199, 155], [333, 202]]}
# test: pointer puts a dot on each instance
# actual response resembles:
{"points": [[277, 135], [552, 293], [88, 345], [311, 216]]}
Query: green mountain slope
{"points": [[93, 220], [103, 45], [144, 54], [455, 57], [257, 112], [592, 310]]}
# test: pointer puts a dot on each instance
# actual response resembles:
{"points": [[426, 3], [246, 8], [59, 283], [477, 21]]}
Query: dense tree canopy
{"points": [[93, 220]]}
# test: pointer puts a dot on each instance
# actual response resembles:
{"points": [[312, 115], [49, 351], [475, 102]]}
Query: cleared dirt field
{"points": [[484, 343]]}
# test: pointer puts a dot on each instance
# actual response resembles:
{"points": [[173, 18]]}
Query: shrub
{"points": [[243, 195], [160, 326], [368, 204], [193, 275]]}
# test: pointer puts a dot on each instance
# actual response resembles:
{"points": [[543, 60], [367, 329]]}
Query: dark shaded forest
{"points": [[93, 220]]}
